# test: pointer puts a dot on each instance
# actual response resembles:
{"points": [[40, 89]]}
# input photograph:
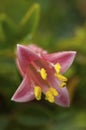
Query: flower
{"points": [[43, 73]]}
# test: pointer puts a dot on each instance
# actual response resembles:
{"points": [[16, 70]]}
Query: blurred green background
{"points": [[56, 26]]}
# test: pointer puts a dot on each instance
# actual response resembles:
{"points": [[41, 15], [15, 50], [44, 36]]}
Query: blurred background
{"points": [[56, 26]]}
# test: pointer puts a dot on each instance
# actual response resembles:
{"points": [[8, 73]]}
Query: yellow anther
{"points": [[49, 97], [50, 94], [62, 84], [43, 73], [61, 77], [57, 68], [37, 92], [54, 91]]}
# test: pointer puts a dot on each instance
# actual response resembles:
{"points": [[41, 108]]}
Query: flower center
{"points": [[43, 76]]}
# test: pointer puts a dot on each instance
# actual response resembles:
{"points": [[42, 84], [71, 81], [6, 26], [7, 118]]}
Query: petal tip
{"points": [[73, 52], [67, 103], [20, 47], [63, 99], [14, 98]]}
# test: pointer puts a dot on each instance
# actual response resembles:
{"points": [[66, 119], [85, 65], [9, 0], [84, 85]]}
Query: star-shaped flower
{"points": [[43, 73]]}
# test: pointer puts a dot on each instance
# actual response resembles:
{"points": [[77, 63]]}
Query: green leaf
{"points": [[29, 22], [75, 42], [7, 30]]}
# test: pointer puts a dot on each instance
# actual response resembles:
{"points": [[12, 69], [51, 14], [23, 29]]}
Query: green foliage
{"points": [[10, 33], [3, 122], [62, 27]]}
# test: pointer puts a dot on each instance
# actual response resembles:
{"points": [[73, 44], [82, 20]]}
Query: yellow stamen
{"points": [[61, 77], [37, 92], [43, 73], [50, 94], [62, 84], [57, 68], [54, 91], [49, 97]]}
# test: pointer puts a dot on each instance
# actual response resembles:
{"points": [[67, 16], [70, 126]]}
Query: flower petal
{"points": [[21, 69], [65, 59], [24, 92], [51, 78], [63, 99], [37, 49], [25, 56]]}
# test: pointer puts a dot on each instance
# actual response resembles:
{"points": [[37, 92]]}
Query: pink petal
{"points": [[63, 99], [37, 49], [64, 58], [24, 92], [21, 69], [24, 57], [51, 78]]}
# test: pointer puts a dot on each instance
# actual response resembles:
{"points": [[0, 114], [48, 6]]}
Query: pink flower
{"points": [[42, 72]]}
